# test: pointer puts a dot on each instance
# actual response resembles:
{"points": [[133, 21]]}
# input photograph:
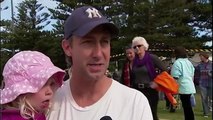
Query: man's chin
{"points": [[98, 76]]}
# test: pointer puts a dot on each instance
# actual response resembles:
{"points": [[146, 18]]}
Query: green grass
{"points": [[178, 115]]}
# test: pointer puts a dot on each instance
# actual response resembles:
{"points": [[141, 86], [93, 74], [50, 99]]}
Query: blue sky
{"points": [[6, 13]]}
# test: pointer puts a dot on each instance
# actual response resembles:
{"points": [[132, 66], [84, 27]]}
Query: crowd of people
{"points": [[36, 89]]}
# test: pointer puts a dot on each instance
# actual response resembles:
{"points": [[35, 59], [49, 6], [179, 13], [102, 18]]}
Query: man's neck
{"points": [[89, 92]]}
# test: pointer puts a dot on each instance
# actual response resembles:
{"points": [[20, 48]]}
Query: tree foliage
{"points": [[28, 24], [170, 22], [25, 32]]}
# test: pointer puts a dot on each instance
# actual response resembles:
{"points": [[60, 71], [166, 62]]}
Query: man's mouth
{"points": [[95, 67]]}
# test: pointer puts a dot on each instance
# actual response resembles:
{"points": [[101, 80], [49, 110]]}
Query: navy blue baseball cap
{"points": [[84, 19]]}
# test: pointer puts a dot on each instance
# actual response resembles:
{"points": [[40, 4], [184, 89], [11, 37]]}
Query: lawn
{"points": [[178, 115]]}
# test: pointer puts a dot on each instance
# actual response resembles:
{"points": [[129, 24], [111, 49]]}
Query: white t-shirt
{"points": [[119, 102]]}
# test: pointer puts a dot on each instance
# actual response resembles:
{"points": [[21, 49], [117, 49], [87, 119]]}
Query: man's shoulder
{"points": [[183, 61], [62, 91], [180, 61]]}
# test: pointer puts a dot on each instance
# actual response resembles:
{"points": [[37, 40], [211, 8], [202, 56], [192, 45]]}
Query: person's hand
{"points": [[153, 85]]}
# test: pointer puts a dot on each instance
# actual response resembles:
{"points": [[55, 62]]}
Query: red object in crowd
{"points": [[168, 85]]}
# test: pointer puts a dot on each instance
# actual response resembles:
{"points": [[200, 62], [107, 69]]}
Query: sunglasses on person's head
{"points": [[137, 46]]}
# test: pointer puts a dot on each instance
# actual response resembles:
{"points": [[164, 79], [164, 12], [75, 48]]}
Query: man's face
{"points": [[91, 54], [202, 58]]}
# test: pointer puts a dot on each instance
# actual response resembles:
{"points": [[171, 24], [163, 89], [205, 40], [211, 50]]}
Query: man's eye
{"points": [[106, 41], [87, 42]]}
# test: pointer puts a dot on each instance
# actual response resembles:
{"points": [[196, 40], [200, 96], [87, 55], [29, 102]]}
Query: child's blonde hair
{"points": [[25, 74], [21, 103]]}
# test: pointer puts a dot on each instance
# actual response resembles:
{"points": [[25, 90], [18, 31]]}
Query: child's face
{"points": [[40, 101]]}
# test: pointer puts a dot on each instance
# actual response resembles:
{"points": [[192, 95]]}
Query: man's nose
{"points": [[97, 49]]}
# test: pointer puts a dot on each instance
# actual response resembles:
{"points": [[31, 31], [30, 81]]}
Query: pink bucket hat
{"points": [[27, 72]]}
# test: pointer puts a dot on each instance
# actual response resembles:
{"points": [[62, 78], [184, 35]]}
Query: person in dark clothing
{"points": [[126, 77], [204, 76], [144, 72]]}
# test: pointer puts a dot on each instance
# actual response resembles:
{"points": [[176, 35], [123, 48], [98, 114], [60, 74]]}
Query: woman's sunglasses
{"points": [[137, 46]]}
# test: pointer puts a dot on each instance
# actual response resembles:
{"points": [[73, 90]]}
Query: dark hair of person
{"points": [[129, 46], [180, 52], [204, 54]]}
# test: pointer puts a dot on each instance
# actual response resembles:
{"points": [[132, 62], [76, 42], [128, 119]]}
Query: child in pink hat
{"points": [[30, 82]]}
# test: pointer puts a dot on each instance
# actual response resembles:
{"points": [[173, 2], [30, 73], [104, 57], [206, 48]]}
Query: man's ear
{"points": [[66, 47]]}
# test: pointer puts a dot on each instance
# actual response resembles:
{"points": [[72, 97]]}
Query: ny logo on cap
{"points": [[93, 13]]}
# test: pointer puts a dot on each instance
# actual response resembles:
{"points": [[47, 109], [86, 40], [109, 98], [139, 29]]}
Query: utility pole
{"points": [[12, 25], [1, 29]]}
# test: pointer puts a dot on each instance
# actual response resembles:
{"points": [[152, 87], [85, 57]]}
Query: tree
{"points": [[24, 30], [29, 23], [166, 22], [201, 19], [51, 46], [174, 23], [5, 35]]}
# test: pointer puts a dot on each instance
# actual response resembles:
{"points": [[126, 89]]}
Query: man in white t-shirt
{"points": [[89, 94]]}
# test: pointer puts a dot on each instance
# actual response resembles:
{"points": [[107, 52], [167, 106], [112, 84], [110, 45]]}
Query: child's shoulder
{"points": [[11, 115]]}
